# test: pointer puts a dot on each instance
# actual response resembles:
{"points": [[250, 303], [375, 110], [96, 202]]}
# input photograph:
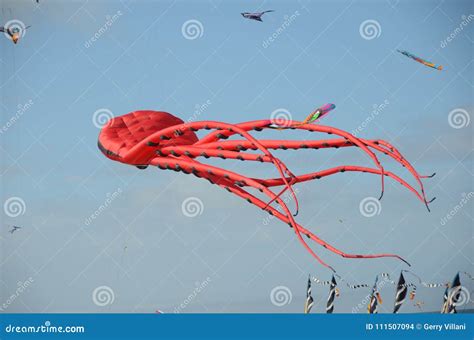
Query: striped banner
{"points": [[309, 299], [454, 294], [320, 282], [332, 296], [401, 293], [372, 307], [444, 308]]}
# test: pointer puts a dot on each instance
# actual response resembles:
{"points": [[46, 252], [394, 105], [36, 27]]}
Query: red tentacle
{"points": [[260, 124], [223, 129], [207, 171], [201, 151], [192, 151], [339, 169], [390, 151]]}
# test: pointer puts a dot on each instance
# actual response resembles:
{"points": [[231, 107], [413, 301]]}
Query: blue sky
{"points": [[142, 246]]}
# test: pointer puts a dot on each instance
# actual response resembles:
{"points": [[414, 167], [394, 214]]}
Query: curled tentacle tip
{"points": [[296, 213], [381, 195], [409, 265], [429, 176]]}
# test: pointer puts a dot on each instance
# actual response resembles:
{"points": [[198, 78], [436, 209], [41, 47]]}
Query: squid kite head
{"points": [[126, 138]]}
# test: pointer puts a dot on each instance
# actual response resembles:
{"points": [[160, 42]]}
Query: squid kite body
{"points": [[152, 138]]}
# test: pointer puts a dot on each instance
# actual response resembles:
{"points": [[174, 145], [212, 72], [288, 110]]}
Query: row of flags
{"points": [[451, 297]]}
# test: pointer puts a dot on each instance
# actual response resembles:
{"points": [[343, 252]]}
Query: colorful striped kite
{"points": [[420, 60], [319, 113], [311, 118]]}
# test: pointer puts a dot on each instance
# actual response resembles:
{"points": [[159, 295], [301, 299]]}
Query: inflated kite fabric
{"points": [[144, 138]]}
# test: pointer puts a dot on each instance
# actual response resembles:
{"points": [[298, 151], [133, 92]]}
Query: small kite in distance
{"points": [[421, 60], [14, 33], [313, 117], [419, 304], [319, 113], [255, 16], [14, 228]]}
